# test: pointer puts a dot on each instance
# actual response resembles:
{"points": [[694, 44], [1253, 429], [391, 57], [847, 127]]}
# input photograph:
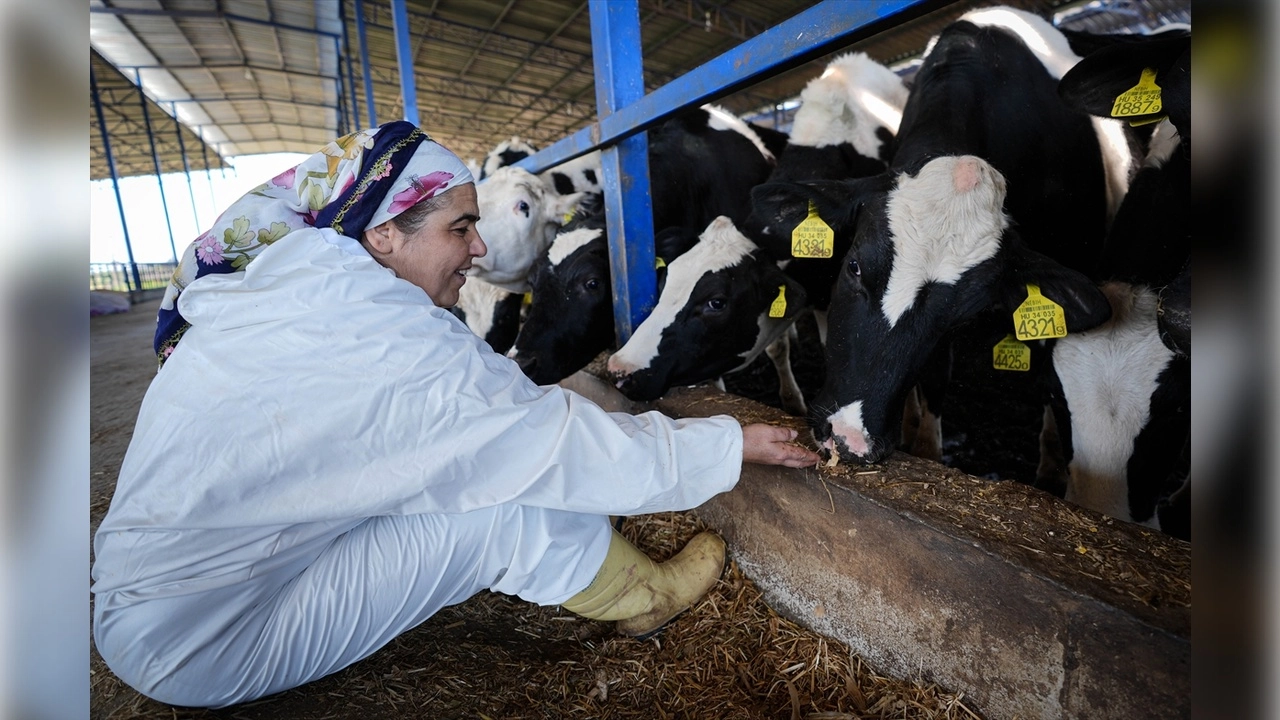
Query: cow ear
{"points": [[781, 206], [1095, 82], [1082, 301], [564, 206]]}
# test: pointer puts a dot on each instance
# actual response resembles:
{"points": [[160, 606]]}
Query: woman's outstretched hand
{"points": [[773, 445]]}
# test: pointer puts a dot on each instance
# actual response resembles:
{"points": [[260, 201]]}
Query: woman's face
{"points": [[437, 256]]}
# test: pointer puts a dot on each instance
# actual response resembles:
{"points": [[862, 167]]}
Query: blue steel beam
{"points": [[821, 29], [364, 63], [213, 14], [155, 156], [115, 178], [619, 73], [351, 76], [404, 57], [186, 168]]}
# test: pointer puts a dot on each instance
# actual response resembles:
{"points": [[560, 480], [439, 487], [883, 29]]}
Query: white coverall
{"points": [[327, 459]]}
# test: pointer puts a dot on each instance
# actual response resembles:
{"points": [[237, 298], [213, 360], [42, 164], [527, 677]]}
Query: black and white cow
{"points": [[507, 152], [570, 320], [1122, 391], [491, 312], [725, 302], [995, 185], [843, 128], [702, 164], [519, 215]]}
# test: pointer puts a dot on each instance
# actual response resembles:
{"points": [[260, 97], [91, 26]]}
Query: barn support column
{"points": [[364, 64], [186, 167], [208, 173], [619, 71], [351, 75], [155, 157], [115, 179], [404, 55]]}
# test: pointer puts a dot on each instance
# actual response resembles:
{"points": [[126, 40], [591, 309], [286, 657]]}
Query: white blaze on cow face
{"points": [[567, 243], [518, 217], [944, 221], [852, 98], [1108, 377], [847, 427], [723, 120], [720, 246]]}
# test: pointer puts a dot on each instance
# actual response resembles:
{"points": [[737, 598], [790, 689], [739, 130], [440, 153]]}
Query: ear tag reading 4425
{"points": [[813, 238], [779, 307], [1038, 317], [1141, 99], [1009, 354]]}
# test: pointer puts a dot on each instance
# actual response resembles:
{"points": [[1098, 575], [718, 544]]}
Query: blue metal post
{"points": [[364, 64], [404, 56], [619, 72], [186, 168], [351, 76], [155, 157], [115, 178]]}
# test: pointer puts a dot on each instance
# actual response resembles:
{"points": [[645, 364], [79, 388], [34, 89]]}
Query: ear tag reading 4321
{"points": [[1038, 317], [779, 307], [1141, 99], [812, 238], [1009, 354]]}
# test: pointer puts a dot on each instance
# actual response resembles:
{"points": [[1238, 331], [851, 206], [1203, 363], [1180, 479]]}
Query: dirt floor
{"points": [[496, 657]]}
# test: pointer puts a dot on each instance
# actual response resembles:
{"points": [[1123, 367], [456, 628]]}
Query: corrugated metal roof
{"points": [[256, 76]]}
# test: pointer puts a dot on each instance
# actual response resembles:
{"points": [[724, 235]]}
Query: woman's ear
{"points": [[380, 238]]}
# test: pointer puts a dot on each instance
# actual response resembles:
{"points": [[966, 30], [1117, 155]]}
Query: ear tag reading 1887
{"points": [[812, 238], [779, 307], [1009, 354], [1141, 99], [1038, 317]]}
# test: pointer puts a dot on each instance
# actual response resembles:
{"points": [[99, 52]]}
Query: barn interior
{"points": [[1010, 575]]}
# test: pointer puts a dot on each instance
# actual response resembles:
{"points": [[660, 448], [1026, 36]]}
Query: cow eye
{"points": [[716, 304], [592, 284], [523, 207], [854, 268]]}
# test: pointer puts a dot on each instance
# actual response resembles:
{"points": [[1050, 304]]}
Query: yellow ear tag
{"points": [[1038, 317], [779, 307], [659, 263], [812, 238], [1141, 99], [528, 299], [567, 217], [1009, 354]]}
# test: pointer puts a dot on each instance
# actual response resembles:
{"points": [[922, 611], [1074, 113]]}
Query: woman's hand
{"points": [[773, 445]]}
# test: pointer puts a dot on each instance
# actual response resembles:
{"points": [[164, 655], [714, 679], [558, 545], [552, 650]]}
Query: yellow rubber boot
{"points": [[643, 595]]}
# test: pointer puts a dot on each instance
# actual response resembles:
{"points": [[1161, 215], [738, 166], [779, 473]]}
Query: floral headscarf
{"points": [[355, 182]]}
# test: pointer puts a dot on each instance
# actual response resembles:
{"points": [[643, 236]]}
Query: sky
{"points": [[144, 212]]}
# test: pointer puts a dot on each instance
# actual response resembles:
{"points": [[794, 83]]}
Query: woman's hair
{"points": [[412, 220]]}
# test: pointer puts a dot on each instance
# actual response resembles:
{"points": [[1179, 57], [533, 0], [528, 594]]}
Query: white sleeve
{"points": [[392, 411]]}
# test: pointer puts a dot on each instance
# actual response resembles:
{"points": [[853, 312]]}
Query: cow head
{"points": [[712, 316], [928, 254], [571, 318], [519, 214]]}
